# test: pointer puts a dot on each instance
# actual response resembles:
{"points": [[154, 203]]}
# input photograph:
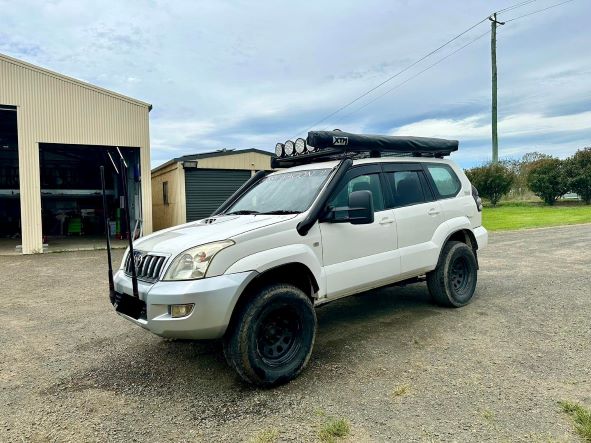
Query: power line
{"points": [[518, 5], [509, 8], [414, 76], [539, 10], [394, 76]]}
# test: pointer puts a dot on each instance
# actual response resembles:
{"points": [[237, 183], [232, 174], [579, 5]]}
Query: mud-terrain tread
{"points": [[437, 280], [236, 347]]}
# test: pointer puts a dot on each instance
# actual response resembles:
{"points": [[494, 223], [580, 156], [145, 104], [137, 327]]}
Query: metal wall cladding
{"points": [[173, 213], [52, 108]]}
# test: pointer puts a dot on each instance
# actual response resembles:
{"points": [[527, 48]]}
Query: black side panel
{"points": [[207, 189]]}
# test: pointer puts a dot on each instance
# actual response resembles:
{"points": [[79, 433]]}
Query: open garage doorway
{"points": [[10, 214], [71, 199]]}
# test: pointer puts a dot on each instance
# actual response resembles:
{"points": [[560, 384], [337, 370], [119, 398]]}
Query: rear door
{"points": [[418, 214], [447, 189], [358, 257]]}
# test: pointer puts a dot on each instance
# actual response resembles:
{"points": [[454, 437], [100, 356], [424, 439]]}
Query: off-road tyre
{"points": [[453, 282], [271, 338]]}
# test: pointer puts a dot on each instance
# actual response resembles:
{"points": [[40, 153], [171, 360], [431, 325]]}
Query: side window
{"points": [[165, 193], [446, 181], [368, 182], [406, 188]]}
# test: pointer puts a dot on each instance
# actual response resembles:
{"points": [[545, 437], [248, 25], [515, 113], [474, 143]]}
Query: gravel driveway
{"points": [[390, 363]]}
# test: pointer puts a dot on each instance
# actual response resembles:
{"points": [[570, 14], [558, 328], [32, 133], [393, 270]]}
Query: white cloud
{"points": [[478, 127], [234, 74]]}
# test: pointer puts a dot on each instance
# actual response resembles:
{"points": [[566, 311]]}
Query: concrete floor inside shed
{"points": [[9, 246]]}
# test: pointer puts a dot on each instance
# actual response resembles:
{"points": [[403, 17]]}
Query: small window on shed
{"points": [[445, 179], [165, 193]]}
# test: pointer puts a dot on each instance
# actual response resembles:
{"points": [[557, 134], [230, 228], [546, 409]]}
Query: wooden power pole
{"points": [[493, 56]]}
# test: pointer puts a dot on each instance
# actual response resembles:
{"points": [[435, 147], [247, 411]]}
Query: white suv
{"points": [[300, 237]]}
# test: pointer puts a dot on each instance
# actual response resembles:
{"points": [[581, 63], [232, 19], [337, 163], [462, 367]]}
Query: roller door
{"points": [[207, 189]]}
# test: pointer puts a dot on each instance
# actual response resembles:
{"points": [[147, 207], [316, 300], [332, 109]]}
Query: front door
{"points": [[359, 257]]}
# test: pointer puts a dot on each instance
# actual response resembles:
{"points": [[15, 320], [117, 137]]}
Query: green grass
{"points": [[334, 429], [580, 416], [400, 391], [523, 215], [266, 436]]}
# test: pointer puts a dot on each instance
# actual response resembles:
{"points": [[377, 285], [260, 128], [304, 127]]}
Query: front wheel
{"points": [[271, 339], [453, 282]]}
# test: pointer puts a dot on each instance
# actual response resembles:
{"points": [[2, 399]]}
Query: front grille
{"points": [[148, 267]]}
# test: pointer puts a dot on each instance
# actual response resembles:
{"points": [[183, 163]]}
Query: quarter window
{"points": [[445, 179], [406, 187]]}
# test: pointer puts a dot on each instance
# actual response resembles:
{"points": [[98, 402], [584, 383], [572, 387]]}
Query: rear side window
{"points": [[406, 188], [447, 183]]}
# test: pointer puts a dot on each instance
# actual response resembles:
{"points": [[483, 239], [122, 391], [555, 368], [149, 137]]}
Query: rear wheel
{"points": [[271, 339], [453, 282]]}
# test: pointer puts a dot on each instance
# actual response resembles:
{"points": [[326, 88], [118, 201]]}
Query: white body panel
{"points": [[357, 257]]}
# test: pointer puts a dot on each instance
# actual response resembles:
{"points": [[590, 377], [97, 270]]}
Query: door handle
{"points": [[386, 221], [433, 211]]}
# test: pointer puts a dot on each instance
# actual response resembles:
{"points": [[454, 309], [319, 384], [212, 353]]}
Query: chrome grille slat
{"points": [[159, 266], [149, 267], [145, 263], [153, 262]]}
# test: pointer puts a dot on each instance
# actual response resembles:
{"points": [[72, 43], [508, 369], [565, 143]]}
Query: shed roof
{"points": [[72, 80], [218, 153]]}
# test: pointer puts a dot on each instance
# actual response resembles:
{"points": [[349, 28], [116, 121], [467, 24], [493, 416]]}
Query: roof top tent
{"points": [[71, 201], [10, 217]]}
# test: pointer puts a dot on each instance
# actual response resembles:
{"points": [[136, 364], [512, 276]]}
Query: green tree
{"points": [[578, 170], [520, 168], [493, 181], [547, 179]]}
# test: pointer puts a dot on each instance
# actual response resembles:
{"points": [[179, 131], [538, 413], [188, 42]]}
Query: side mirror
{"points": [[358, 212], [360, 208]]}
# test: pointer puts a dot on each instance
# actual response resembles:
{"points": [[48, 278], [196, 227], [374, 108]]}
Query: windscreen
{"points": [[284, 193]]}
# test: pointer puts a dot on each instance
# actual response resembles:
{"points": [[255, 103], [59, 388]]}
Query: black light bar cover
{"points": [[348, 142]]}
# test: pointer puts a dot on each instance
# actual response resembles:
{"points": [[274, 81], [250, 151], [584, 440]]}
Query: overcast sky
{"points": [[246, 74]]}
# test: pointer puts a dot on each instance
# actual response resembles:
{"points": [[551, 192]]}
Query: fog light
{"points": [[177, 311]]}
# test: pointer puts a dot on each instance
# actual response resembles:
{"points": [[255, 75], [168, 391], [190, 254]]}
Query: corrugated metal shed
{"points": [[53, 108], [197, 184]]}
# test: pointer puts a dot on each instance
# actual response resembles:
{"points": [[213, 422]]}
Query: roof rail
{"points": [[335, 145]]}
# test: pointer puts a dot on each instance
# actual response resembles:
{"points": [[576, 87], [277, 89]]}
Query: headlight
{"points": [[193, 263], [289, 147], [300, 145]]}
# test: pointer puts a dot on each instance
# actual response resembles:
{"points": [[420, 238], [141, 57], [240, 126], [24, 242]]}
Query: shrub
{"points": [[493, 181], [521, 168], [547, 179], [578, 170]]}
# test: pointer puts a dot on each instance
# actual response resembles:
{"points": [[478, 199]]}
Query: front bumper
{"points": [[214, 299]]}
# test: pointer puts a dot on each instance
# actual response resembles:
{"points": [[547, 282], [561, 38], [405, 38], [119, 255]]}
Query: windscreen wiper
{"points": [[242, 212], [280, 212]]}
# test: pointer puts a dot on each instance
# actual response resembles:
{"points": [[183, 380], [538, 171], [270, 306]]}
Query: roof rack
{"points": [[335, 145]]}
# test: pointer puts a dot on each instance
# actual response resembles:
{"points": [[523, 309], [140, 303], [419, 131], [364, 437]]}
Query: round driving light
{"points": [[310, 148], [289, 147], [300, 145], [279, 149]]}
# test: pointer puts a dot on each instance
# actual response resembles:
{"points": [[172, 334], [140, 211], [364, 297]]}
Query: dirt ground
{"points": [[396, 367]]}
